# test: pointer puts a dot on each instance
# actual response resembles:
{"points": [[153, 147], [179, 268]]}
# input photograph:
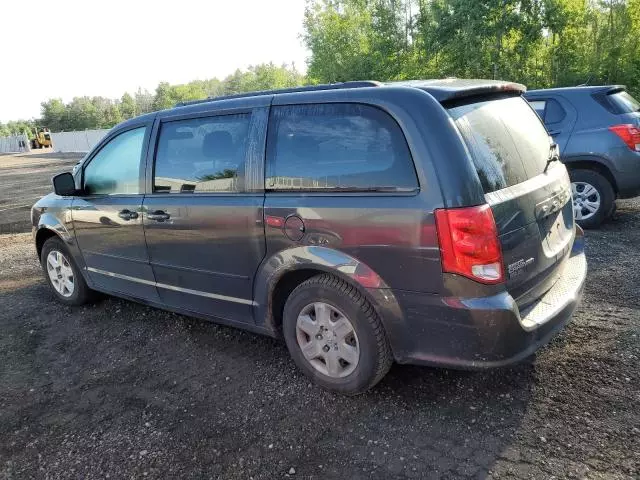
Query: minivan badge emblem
{"points": [[517, 268]]}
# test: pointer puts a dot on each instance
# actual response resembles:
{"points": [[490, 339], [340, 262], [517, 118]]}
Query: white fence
{"points": [[82, 141], [12, 144], [76, 141]]}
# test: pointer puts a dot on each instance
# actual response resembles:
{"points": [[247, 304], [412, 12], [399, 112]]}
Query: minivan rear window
{"points": [[506, 139]]}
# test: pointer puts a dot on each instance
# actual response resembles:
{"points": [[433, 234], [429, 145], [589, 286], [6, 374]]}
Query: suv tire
{"points": [[62, 274], [333, 320], [603, 194]]}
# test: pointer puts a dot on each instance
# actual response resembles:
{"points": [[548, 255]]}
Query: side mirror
{"points": [[64, 184]]}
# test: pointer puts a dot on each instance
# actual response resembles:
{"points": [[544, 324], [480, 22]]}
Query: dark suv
{"points": [[598, 132], [423, 222]]}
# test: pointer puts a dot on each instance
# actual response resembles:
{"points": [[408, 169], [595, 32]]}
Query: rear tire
{"points": [[346, 349], [62, 274], [591, 189]]}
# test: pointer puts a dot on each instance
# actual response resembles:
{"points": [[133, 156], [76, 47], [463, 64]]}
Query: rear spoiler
{"points": [[466, 93], [611, 89], [601, 96]]}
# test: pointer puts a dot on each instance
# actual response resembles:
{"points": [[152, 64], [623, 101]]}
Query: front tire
{"points": [[62, 273], [593, 197], [335, 336]]}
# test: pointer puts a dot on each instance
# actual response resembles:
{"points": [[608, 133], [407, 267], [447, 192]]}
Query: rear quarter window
{"points": [[507, 141], [347, 147], [549, 110], [554, 112], [539, 106]]}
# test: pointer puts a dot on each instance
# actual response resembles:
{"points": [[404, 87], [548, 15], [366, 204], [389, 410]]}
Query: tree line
{"points": [[540, 43], [84, 113]]}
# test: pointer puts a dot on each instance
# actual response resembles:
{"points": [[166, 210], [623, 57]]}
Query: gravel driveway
{"points": [[24, 178], [121, 390]]}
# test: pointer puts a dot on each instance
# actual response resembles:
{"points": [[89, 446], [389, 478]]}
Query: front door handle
{"points": [[158, 216], [554, 132], [127, 214]]}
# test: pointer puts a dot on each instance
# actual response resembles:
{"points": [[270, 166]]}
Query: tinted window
{"points": [[507, 141], [201, 154], [623, 102], [554, 113], [337, 146], [116, 167]]}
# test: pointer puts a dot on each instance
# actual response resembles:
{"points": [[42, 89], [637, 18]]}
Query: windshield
{"points": [[506, 139]]}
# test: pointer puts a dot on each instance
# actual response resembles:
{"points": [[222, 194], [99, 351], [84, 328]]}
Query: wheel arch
{"points": [[596, 164], [50, 224], [284, 271], [284, 285], [42, 235]]}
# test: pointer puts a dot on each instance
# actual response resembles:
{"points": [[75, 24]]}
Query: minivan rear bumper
{"points": [[477, 333]]}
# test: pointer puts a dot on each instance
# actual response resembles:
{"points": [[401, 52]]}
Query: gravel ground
{"points": [[24, 179], [121, 390]]}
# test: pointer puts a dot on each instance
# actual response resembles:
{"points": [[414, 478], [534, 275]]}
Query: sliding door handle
{"points": [[158, 216]]}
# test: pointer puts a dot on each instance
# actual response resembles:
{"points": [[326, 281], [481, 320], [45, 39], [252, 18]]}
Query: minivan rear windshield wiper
{"points": [[554, 155]]}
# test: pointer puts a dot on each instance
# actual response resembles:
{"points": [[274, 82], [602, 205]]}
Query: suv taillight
{"points": [[630, 134], [469, 243]]}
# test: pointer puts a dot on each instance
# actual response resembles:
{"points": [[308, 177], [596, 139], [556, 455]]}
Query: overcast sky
{"points": [[72, 48]]}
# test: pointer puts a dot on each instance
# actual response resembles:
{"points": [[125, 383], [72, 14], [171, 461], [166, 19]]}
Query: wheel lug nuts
{"points": [[325, 348], [319, 337]]}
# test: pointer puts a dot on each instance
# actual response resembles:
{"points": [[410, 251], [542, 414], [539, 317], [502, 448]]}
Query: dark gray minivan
{"points": [[424, 222]]}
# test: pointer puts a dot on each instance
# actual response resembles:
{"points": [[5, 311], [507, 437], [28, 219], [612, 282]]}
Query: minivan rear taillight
{"points": [[469, 243], [630, 134]]}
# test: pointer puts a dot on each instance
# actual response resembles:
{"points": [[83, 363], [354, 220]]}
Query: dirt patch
{"points": [[24, 179]]}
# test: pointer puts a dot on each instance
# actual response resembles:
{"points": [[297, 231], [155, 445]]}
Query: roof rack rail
{"points": [[306, 88]]}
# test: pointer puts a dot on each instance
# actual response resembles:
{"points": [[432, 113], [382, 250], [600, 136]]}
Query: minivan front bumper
{"points": [[477, 333]]}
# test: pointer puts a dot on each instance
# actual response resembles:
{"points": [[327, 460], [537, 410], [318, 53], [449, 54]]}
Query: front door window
{"points": [[116, 167]]}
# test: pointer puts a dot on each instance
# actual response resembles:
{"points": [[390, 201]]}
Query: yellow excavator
{"points": [[41, 138]]}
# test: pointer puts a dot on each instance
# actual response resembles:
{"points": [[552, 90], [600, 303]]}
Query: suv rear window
{"points": [[622, 102], [506, 139], [347, 147]]}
